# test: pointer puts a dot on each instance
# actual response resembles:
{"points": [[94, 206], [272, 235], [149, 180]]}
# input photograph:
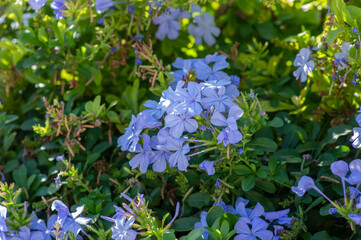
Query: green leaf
{"points": [[213, 214], [264, 144], [20, 176], [242, 170], [326, 159], [199, 200], [224, 229], [339, 8], [276, 122], [287, 155], [184, 224], [169, 235], [195, 234], [90, 159], [332, 35], [248, 183]]}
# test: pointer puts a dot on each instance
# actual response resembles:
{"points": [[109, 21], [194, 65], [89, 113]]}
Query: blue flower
{"points": [[258, 229], [189, 99], [122, 229], [240, 151], [57, 180], [280, 216], [339, 168], [142, 159], [204, 29], [58, 6], [155, 109], [354, 192], [356, 218], [355, 177], [160, 157], [341, 57], [207, 166], [354, 30], [251, 94], [168, 24], [355, 139], [304, 65], [129, 140], [37, 4], [73, 222], [25, 234], [63, 211], [3, 226], [230, 134], [185, 65], [305, 184], [61, 157], [235, 80], [332, 211], [178, 158], [202, 224], [218, 183], [179, 123], [102, 6], [216, 98], [205, 72], [46, 230]]}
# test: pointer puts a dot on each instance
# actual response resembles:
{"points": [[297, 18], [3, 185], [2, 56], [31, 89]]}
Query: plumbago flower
{"points": [[204, 29], [45, 229], [304, 65], [252, 223], [355, 139], [350, 210], [37, 4], [169, 23], [3, 226], [102, 6], [58, 6], [69, 222], [181, 115], [341, 57]]}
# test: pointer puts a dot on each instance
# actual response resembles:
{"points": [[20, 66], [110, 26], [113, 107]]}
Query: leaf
{"points": [[332, 135], [264, 144], [184, 224], [195, 234], [242, 170], [266, 105], [199, 200], [20, 176], [341, 11], [213, 214], [248, 183], [287, 155], [169, 235], [276, 122], [332, 35]]}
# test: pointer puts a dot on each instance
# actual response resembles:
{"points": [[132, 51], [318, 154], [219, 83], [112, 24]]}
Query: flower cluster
{"points": [[186, 108], [58, 225], [202, 28], [351, 209], [252, 223]]}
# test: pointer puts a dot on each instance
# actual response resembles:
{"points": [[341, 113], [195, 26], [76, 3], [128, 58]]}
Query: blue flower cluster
{"points": [[202, 28], [183, 109], [252, 223], [352, 202], [67, 221]]}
